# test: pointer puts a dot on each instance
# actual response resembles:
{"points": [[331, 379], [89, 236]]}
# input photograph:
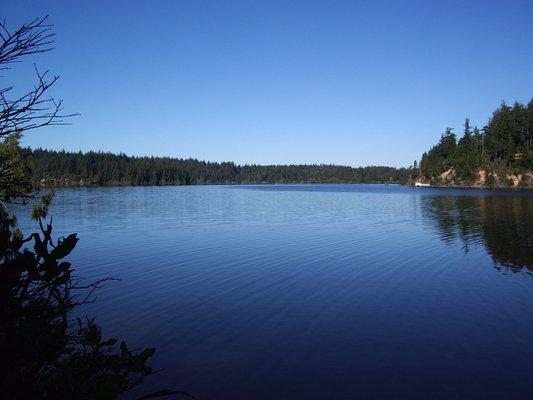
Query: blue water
{"points": [[313, 291]]}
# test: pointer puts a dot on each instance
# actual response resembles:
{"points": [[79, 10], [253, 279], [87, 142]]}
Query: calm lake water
{"points": [[314, 291]]}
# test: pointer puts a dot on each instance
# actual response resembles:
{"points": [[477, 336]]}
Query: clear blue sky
{"points": [[354, 82]]}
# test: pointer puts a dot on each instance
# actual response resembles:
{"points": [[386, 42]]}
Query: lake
{"points": [[313, 291]]}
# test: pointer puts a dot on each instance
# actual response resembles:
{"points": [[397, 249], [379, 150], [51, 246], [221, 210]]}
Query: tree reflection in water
{"points": [[503, 224]]}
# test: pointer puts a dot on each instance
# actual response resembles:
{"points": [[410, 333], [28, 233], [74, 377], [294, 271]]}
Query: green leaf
{"points": [[64, 247], [40, 247], [124, 349], [93, 336], [62, 280], [146, 354]]}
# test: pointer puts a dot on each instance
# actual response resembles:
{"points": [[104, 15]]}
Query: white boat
{"points": [[421, 184]]}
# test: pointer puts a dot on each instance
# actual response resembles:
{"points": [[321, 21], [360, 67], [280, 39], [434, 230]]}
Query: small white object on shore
{"points": [[421, 184]]}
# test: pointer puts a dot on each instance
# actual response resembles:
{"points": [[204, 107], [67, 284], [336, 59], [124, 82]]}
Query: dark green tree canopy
{"points": [[97, 168], [503, 145]]}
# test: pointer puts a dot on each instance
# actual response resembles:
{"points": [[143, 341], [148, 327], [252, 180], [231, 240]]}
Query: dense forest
{"points": [[60, 168], [499, 154]]}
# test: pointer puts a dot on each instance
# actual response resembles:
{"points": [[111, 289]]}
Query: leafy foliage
{"points": [[15, 180], [45, 353]]}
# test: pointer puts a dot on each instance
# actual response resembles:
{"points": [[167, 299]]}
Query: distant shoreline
{"points": [[84, 185], [515, 189]]}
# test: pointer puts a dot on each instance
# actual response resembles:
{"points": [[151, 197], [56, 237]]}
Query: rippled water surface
{"points": [[315, 291]]}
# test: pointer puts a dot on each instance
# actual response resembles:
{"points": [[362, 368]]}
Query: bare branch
{"points": [[31, 38], [33, 109]]}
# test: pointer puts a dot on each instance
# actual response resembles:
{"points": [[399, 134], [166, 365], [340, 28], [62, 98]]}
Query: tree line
{"points": [[503, 147], [60, 168]]}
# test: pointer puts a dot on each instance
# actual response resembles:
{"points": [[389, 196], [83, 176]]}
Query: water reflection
{"points": [[503, 224]]}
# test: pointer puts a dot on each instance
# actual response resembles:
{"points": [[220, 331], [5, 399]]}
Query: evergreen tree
{"points": [[96, 168], [504, 144]]}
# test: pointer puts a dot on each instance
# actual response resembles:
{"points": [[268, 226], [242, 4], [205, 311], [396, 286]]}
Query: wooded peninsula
{"points": [[498, 155]]}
